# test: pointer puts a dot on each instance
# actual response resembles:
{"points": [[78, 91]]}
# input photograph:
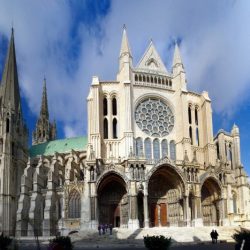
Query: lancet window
{"points": [[172, 150], [74, 205]]}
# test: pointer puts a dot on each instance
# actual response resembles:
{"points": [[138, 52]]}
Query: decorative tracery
{"points": [[154, 117]]}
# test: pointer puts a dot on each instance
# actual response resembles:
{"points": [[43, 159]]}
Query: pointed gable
{"points": [[151, 60]]}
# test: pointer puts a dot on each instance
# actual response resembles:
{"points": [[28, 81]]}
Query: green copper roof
{"points": [[60, 146]]}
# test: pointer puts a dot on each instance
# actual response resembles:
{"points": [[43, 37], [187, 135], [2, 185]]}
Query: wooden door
{"points": [[163, 214], [154, 215]]}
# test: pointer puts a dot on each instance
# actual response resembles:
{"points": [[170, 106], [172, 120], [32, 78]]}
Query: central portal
{"points": [[113, 201], [165, 199]]}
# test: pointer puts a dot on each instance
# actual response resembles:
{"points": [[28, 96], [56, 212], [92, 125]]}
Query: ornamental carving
{"points": [[154, 117]]}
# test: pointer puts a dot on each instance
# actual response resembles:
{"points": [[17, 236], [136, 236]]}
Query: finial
{"points": [[124, 26], [12, 27]]}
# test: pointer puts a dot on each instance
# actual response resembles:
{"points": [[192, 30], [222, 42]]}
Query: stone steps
{"points": [[180, 235]]}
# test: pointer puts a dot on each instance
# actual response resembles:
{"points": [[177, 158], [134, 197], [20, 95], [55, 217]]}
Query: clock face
{"points": [[154, 117]]}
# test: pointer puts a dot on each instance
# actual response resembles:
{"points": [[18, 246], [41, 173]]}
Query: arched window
{"points": [[197, 137], [189, 115], [147, 79], [164, 148], [136, 78], [105, 106], [140, 78], [114, 128], [170, 83], [152, 79], [138, 146], [234, 203], [7, 125], [172, 150], [218, 150], [74, 207], [114, 106], [196, 116], [229, 153], [147, 146], [159, 80], [156, 149], [191, 134], [143, 78], [105, 128], [155, 80]]}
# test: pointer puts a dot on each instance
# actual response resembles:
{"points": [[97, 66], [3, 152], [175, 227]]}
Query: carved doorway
{"points": [[210, 200], [165, 201], [113, 201]]}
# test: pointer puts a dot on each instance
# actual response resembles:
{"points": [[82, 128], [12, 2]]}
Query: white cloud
{"points": [[215, 48]]}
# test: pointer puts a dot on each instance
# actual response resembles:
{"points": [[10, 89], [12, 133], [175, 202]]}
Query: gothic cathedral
{"points": [[150, 158]]}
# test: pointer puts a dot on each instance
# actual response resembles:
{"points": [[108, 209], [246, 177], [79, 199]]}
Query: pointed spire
{"points": [[10, 85], [177, 56], [125, 49], [44, 106]]}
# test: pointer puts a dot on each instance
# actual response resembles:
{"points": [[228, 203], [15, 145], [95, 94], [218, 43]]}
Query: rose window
{"points": [[154, 117]]}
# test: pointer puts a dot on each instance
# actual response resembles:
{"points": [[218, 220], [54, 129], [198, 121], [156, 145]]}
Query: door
{"points": [[163, 214], [154, 215]]}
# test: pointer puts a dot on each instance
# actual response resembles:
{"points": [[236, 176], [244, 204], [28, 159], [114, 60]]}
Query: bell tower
{"points": [[13, 142]]}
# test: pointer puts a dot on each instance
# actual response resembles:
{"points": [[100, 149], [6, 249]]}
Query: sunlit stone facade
{"points": [[150, 159]]}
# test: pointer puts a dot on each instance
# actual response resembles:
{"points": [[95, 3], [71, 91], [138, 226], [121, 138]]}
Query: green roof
{"points": [[60, 146]]}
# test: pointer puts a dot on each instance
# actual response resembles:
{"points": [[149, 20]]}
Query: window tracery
{"points": [[74, 207], [154, 117]]}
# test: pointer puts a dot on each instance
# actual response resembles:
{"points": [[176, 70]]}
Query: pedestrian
{"points": [[103, 229], [106, 228], [215, 236], [99, 229], [110, 229], [212, 236]]}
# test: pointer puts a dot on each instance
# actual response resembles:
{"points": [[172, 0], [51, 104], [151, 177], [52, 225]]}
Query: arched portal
{"points": [[165, 190], [210, 201], [113, 201]]}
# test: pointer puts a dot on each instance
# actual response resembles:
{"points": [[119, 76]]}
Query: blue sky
{"points": [[70, 41]]}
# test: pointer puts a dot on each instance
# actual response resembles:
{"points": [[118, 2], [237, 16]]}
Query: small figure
{"points": [[215, 236], [110, 229], [212, 236], [106, 228], [99, 229], [103, 229]]}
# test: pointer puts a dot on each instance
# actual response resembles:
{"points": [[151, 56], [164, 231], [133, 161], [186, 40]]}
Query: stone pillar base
{"points": [[225, 222], [197, 222], [146, 224], [93, 224], [133, 224]]}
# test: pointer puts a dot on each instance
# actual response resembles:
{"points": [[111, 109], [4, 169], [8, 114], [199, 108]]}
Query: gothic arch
{"points": [[110, 172], [168, 165], [206, 176]]}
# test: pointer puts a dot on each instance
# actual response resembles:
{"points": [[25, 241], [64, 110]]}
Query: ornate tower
{"points": [[44, 131], [13, 142]]}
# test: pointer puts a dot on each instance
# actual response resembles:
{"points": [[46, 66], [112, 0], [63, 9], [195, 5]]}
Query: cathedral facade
{"points": [[150, 158]]}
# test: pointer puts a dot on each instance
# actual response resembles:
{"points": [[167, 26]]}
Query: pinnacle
{"points": [[125, 44], [177, 55]]}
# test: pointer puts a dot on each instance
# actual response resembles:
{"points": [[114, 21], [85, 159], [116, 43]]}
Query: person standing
{"points": [[212, 236], [215, 236], [99, 229], [110, 229]]}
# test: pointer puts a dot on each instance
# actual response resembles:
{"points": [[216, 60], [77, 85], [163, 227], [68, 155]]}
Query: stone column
{"points": [[145, 206], [133, 222], [185, 210], [224, 221], [197, 219]]}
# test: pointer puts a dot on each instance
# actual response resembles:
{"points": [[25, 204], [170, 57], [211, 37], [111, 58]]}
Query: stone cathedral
{"points": [[150, 158]]}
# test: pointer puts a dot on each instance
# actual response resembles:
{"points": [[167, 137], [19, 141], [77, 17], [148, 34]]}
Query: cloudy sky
{"points": [[70, 41]]}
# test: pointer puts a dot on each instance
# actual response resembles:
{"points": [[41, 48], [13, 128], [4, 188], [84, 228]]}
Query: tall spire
{"points": [[44, 131], [44, 112], [177, 57], [125, 49], [10, 85]]}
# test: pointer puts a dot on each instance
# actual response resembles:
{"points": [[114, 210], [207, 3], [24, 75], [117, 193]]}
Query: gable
{"points": [[151, 60]]}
